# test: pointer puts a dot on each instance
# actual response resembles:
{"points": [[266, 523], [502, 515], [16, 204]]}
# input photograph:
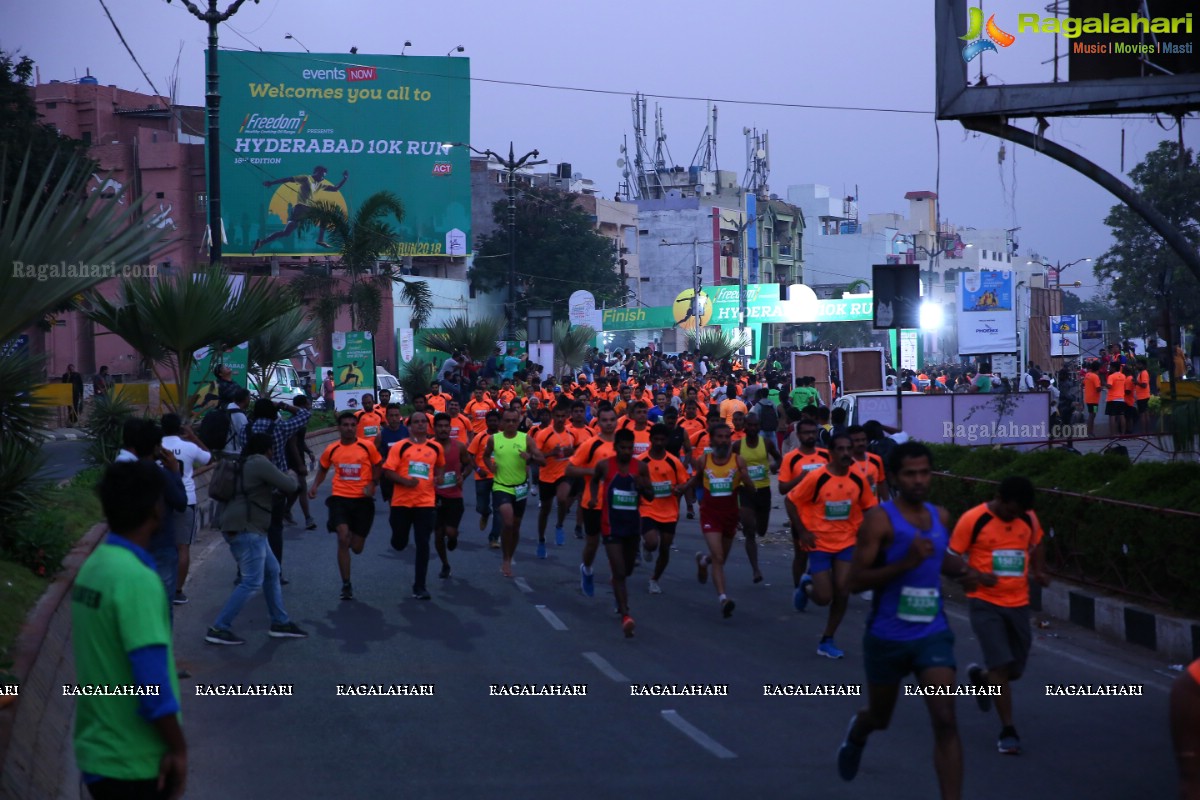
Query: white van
{"points": [[383, 380], [283, 383]]}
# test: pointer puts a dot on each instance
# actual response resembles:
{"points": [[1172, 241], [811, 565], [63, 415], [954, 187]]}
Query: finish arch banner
{"points": [[987, 319]]}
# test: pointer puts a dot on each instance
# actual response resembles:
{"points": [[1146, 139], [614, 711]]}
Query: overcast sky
{"points": [[880, 55]]}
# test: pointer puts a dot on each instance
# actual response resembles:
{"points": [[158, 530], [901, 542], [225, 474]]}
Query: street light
{"points": [[407, 44], [212, 103], [695, 244], [510, 165], [297, 41], [1058, 269], [454, 50]]}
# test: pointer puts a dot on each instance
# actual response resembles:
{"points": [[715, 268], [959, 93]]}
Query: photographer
{"points": [[266, 420]]}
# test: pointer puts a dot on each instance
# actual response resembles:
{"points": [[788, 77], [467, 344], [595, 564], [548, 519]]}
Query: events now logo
{"points": [[975, 37]]}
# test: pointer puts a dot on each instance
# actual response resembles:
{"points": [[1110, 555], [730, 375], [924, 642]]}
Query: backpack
{"points": [[768, 417], [882, 447], [226, 479], [215, 428]]}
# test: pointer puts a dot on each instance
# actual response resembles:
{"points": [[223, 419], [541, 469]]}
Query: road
{"points": [[64, 459], [481, 629]]}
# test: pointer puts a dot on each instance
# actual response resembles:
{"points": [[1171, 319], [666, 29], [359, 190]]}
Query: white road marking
{"points": [[552, 618], [523, 585], [696, 735], [608, 669]]}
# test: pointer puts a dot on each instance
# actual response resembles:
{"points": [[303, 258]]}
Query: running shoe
{"points": [[691, 514], [310, 524], [587, 582], [648, 555], [849, 754], [800, 596], [421, 594], [727, 607], [483, 522], [347, 591], [975, 674], [627, 626], [494, 544], [288, 630], [560, 537], [445, 573], [701, 568], [654, 587], [1009, 743], [541, 549], [222, 636], [181, 599], [830, 650]]}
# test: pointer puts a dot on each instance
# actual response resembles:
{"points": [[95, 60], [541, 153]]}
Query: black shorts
{"points": [[548, 491], [356, 512], [888, 662], [1092, 408], [1131, 412], [591, 520], [449, 511], [500, 498], [1143, 405], [576, 486], [1004, 635], [1114, 408], [664, 528]]}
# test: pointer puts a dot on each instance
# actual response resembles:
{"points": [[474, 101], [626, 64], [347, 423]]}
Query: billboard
{"points": [[897, 292], [303, 128], [202, 379], [1064, 336], [353, 368], [987, 322]]}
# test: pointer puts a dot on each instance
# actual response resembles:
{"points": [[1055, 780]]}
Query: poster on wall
{"points": [[1064, 336], [987, 320], [202, 379], [353, 368]]}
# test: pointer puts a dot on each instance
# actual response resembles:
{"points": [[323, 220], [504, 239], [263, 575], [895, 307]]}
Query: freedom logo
{"points": [[975, 37]]}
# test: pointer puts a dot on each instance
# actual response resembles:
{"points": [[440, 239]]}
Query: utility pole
{"points": [[212, 104], [510, 165]]}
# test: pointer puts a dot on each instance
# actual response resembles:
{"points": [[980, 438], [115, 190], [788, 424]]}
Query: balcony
{"points": [[784, 255]]}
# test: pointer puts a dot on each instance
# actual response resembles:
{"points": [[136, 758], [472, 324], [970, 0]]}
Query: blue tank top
{"points": [[390, 437], [910, 607], [621, 515]]}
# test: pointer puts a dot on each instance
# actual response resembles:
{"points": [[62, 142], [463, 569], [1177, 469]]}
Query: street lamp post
{"points": [[212, 102], [510, 165]]}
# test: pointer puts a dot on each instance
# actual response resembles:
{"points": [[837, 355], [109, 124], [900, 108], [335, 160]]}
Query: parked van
{"points": [[283, 383], [383, 380]]}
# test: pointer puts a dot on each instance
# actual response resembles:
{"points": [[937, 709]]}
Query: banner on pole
{"points": [[353, 368]]}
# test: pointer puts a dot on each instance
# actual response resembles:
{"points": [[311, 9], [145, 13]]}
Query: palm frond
{"points": [[20, 412], [418, 295], [280, 340], [415, 377], [572, 344], [476, 339], [717, 344]]}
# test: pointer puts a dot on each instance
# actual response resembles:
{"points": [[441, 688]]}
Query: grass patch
{"points": [[19, 591]]}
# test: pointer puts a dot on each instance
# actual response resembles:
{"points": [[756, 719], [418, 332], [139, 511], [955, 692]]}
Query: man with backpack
{"points": [[768, 416], [221, 428]]}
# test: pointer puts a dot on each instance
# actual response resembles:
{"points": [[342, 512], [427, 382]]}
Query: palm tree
{"points": [[64, 223], [717, 344], [572, 344], [280, 340], [367, 245], [168, 320], [476, 339]]}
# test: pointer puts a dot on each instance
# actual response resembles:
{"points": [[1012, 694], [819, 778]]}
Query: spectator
{"points": [[226, 388], [191, 453], [101, 383], [327, 390], [76, 380]]}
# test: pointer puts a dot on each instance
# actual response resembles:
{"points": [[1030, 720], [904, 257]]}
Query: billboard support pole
{"points": [[212, 103]]}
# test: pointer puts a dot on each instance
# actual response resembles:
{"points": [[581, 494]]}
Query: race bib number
{"points": [[624, 500], [758, 472], [720, 487], [419, 470], [809, 467], [662, 488], [480, 413], [640, 447], [448, 479], [370, 432], [521, 492], [918, 604], [453, 432], [349, 472], [1008, 563], [837, 510]]}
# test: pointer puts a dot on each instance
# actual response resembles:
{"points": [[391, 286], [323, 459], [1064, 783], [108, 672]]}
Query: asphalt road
{"points": [[64, 459], [482, 629]]}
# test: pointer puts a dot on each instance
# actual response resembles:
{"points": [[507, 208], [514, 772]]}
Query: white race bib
{"points": [[521, 492], [624, 500], [1008, 563], [662, 488], [448, 479], [917, 604], [758, 472], [836, 510], [419, 470]]}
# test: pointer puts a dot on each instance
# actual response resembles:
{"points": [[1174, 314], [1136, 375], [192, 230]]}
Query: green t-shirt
{"points": [[510, 467], [803, 396], [773, 396], [118, 605]]}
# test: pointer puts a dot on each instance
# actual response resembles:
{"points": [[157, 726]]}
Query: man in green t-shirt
{"points": [[507, 455], [805, 394], [128, 740]]}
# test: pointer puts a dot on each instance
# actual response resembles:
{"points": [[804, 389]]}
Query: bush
{"points": [[20, 490], [43, 538], [104, 426]]}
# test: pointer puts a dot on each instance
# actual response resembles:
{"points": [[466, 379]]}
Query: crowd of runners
{"points": [[613, 468]]}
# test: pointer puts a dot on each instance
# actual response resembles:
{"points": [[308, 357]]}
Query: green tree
{"points": [[476, 339], [1145, 277], [572, 344], [558, 251], [27, 142], [279, 340], [716, 343], [367, 247]]}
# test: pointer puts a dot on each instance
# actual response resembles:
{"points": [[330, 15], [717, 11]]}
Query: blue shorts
{"points": [[819, 561], [889, 662]]}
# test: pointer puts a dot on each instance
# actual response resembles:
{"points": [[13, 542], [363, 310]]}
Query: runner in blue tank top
{"points": [[901, 556], [622, 478]]}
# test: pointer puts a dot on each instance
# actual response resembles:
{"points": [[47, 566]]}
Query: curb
{"points": [[61, 435]]}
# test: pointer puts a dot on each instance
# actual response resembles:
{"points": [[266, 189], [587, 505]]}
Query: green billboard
{"points": [[202, 379], [304, 128], [353, 368], [763, 305]]}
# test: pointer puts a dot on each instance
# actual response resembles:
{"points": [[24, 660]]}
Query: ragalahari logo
{"points": [[976, 41]]}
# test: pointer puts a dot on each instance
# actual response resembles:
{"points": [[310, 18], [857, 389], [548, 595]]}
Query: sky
{"points": [[879, 56]]}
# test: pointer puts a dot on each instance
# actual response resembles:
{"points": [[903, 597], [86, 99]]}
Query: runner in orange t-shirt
{"points": [[795, 465], [557, 442], [477, 409], [1091, 394], [1141, 393], [1184, 708], [1002, 540], [661, 515], [484, 477], [415, 466], [461, 427], [583, 465], [1114, 404], [449, 491]]}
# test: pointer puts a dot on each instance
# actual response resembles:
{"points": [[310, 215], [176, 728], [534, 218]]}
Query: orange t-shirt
{"points": [[692, 427], [729, 407], [546, 440], [1116, 387], [871, 470], [1091, 388], [1002, 548], [587, 457], [477, 411], [796, 462], [351, 466], [1142, 388], [665, 473], [832, 507], [421, 461], [437, 402], [369, 423], [476, 448], [461, 427], [1129, 390]]}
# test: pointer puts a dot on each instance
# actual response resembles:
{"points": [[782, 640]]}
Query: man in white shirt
{"points": [[237, 421], [190, 452], [449, 366]]}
